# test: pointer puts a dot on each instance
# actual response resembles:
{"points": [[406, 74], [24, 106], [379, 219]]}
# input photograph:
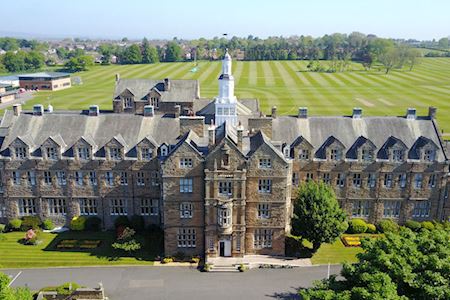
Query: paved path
{"points": [[21, 98], [178, 282], [256, 260]]}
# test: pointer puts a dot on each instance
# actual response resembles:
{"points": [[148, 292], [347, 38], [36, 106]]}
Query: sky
{"points": [[189, 19]]}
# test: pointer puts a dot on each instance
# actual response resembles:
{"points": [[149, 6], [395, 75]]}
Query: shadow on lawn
{"points": [[152, 246]]}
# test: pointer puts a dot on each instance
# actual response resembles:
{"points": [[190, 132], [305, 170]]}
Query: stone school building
{"points": [[216, 174]]}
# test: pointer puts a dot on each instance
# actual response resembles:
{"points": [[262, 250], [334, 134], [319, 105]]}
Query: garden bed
{"points": [[78, 244]]}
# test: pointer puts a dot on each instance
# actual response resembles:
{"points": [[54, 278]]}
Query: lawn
{"points": [[285, 84], [13, 254], [335, 253]]}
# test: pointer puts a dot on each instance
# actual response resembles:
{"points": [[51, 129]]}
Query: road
{"points": [[21, 99], [178, 282]]}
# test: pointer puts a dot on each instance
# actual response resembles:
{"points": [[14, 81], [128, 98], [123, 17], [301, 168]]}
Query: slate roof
{"points": [[48, 75], [316, 130], [180, 90]]}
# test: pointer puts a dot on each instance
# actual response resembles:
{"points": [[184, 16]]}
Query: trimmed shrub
{"points": [[15, 224], [30, 222], [47, 224], [67, 288], [122, 221], [371, 228], [357, 226], [93, 224], [2, 228], [413, 225], [78, 223], [427, 225], [387, 225], [137, 223], [167, 260]]}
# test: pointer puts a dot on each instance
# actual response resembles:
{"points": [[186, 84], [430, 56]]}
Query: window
{"points": [[185, 162], [387, 180], [265, 163], [186, 185], [84, 153], [335, 154], [360, 208], [263, 211], [186, 238], [186, 210], [340, 180], [429, 155], [421, 209], [31, 175], [57, 206], [47, 178], [263, 238], [92, 178], [391, 208], [371, 180], [224, 216], [154, 178], [418, 181], [402, 180], [128, 102], [52, 153], [295, 179], [149, 207], [303, 154], [61, 178], [154, 101], [326, 178], [115, 153], [265, 186], [397, 155], [123, 178], [432, 181], [225, 159], [79, 178], [16, 177], [309, 176], [109, 178], [27, 207], [357, 180], [118, 207], [211, 244], [367, 155], [140, 178], [225, 188], [164, 150], [88, 207], [238, 242], [20, 152], [146, 153]]}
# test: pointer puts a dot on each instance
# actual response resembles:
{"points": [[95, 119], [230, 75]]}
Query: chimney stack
{"points": [[432, 112], [357, 113], [302, 112], [240, 135], [177, 111], [50, 108], [38, 110], [166, 84], [94, 110], [117, 77], [17, 109], [411, 113], [274, 112], [149, 111], [212, 134]]}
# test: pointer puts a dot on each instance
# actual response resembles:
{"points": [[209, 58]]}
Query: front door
{"points": [[225, 248]]}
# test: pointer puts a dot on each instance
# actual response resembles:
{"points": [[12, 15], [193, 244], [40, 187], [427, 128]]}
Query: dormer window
{"points": [[429, 155], [335, 154], [154, 101], [287, 152], [146, 153], [20, 152], [128, 102], [84, 153], [115, 153], [367, 155], [304, 154], [164, 150], [397, 155], [52, 153]]}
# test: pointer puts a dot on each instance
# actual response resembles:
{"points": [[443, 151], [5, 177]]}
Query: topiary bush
{"points": [[413, 225], [30, 222], [427, 225], [47, 224], [78, 223], [371, 228], [93, 224], [137, 223], [122, 221], [15, 224], [387, 225], [357, 226]]}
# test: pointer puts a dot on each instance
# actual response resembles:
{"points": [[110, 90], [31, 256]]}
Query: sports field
{"points": [[285, 84]]}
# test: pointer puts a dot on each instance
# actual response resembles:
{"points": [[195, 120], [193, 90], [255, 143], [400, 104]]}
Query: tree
{"points": [[34, 60], [149, 53], [79, 63], [62, 53], [14, 62], [443, 43], [8, 293], [390, 59], [412, 58], [131, 55], [402, 265], [173, 52], [317, 215]]}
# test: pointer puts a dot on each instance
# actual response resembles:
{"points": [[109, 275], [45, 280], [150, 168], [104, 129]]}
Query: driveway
{"points": [[178, 282], [20, 99]]}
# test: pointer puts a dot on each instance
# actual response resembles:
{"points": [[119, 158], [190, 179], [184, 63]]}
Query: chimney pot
{"points": [[94, 110], [177, 111], [117, 77], [149, 111], [274, 112], [411, 113], [302, 112], [357, 113], [17, 109], [166, 84], [38, 110], [211, 134], [432, 112]]}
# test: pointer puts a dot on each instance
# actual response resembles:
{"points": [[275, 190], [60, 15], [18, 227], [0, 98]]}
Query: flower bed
{"points": [[78, 244], [351, 241]]}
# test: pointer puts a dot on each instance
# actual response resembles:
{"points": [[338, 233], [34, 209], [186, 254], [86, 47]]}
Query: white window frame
{"points": [[340, 180], [84, 153], [118, 207], [92, 178], [79, 178], [186, 185], [154, 178], [372, 180], [109, 178], [335, 154], [421, 209], [265, 186], [398, 155], [303, 154], [388, 180], [367, 155], [140, 178], [265, 163], [224, 216], [61, 178], [357, 179], [418, 181], [432, 181], [123, 178], [391, 208], [16, 177], [27, 207], [88, 207], [52, 153], [326, 178], [263, 238], [31, 177], [186, 210], [48, 178], [146, 153], [20, 152], [149, 207], [186, 163], [225, 188], [361, 208], [115, 153], [186, 238], [56, 206], [263, 210], [128, 102]]}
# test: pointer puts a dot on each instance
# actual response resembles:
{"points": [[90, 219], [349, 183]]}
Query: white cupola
{"points": [[226, 102]]}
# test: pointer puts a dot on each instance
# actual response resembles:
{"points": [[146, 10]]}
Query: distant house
{"points": [[10, 80], [52, 81], [7, 93]]}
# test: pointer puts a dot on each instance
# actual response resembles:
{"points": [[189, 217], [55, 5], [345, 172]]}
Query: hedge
{"points": [[47, 224], [413, 225], [15, 224], [387, 225], [78, 223], [30, 222], [357, 226]]}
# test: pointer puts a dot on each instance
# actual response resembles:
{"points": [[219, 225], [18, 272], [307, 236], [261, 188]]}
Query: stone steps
{"points": [[228, 268]]}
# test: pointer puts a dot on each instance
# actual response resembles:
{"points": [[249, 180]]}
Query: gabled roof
{"points": [[58, 140], [360, 141], [150, 140], [390, 142], [414, 152], [259, 139], [299, 140], [26, 139], [191, 139], [89, 140], [321, 152]]}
